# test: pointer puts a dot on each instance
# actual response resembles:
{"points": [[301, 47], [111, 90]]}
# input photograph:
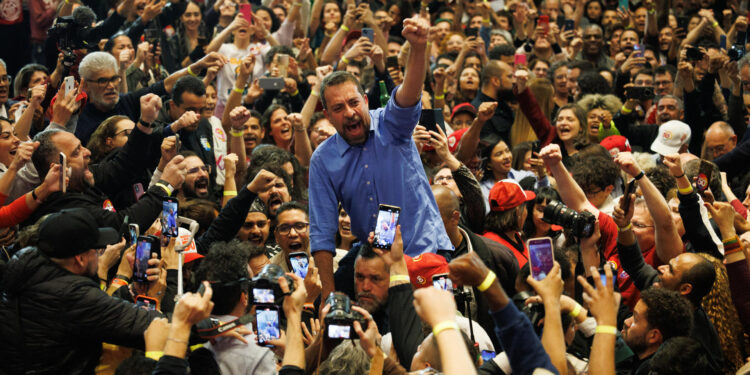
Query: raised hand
{"points": [[188, 120], [263, 181], [486, 111], [551, 155], [415, 31], [238, 117], [627, 163], [602, 301], [468, 269], [150, 106]]}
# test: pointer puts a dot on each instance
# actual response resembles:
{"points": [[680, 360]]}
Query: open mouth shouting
{"points": [[296, 245], [201, 187], [354, 128], [274, 202]]}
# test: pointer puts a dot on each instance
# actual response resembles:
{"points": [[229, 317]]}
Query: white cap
{"points": [[672, 136]]}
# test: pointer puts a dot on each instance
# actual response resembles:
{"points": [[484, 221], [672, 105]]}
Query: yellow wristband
{"points": [[400, 278], [715, 24], [345, 60], [164, 187], [230, 193], [239, 90], [155, 355], [236, 133], [314, 93], [440, 327], [488, 280], [439, 97], [190, 71], [626, 228], [296, 93], [685, 191], [625, 110], [612, 330], [576, 311], [343, 27]]}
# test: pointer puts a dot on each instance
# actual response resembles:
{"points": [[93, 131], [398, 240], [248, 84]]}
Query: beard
{"points": [[372, 305], [190, 190]]}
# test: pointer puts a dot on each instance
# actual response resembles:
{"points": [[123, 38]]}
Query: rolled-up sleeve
{"points": [[323, 207], [398, 123]]}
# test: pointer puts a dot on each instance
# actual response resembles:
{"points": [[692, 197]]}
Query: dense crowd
{"points": [[374, 187]]}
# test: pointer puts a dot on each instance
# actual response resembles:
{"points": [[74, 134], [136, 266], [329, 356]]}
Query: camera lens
{"points": [[581, 224]]}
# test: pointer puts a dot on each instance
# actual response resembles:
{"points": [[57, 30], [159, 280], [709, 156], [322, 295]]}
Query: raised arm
{"points": [[415, 32], [216, 42], [469, 143], [572, 194], [211, 59]]}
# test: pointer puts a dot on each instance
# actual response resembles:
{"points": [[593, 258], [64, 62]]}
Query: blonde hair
{"points": [[607, 102], [521, 130]]}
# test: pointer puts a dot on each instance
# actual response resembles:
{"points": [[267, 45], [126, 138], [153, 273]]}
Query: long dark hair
{"points": [[543, 194]]}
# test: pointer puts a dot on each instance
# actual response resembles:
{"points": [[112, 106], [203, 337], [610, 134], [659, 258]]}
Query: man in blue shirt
{"points": [[372, 160]]}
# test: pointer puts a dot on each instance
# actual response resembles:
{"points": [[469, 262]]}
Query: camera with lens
{"points": [[580, 223], [339, 320], [533, 311], [639, 92], [72, 32], [736, 52], [266, 288]]}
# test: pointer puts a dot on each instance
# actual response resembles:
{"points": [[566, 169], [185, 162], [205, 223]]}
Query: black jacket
{"points": [[54, 322]]}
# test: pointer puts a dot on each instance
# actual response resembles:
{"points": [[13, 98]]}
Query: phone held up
{"points": [[541, 256], [385, 226]]}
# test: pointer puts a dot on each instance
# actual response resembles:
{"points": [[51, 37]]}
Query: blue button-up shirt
{"points": [[386, 169]]}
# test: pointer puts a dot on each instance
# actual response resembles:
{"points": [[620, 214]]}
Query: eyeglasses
{"points": [[641, 226], [203, 168], [102, 82], [285, 229], [5, 78], [445, 178]]}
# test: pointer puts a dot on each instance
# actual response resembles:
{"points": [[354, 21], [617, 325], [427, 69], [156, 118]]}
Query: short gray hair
{"points": [[744, 61], [96, 62], [680, 103]]}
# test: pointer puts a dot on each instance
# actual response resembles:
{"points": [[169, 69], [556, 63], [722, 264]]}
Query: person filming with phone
{"points": [[372, 160]]}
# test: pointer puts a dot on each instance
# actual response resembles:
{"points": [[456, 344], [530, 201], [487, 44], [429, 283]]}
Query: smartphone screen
{"points": [[146, 303], [247, 12], [169, 217], [471, 31], [63, 171], [541, 257], [267, 320], [704, 176], [133, 233], [638, 50], [368, 33], [263, 295], [336, 331], [142, 255], [624, 5], [570, 25], [385, 227], [441, 281], [299, 263], [723, 42], [487, 355]]}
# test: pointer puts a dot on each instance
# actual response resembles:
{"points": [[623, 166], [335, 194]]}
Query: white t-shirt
{"points": [[220, 147], [228, 74]]}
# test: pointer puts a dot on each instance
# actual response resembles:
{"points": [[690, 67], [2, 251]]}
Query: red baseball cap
{"points": [[455, 138], [616, 144], [507, 194], [463, 107], [422, 267]]}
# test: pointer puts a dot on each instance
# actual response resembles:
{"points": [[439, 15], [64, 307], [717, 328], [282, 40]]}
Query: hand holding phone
{"points": [[625, 200], [247, 12], [267, 324], [541, 257], [169, 211], [300, 262], [385, 227], [703, 179]]}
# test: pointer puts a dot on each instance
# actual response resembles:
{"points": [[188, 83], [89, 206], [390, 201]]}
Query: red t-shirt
{"points": [[522, 257]]}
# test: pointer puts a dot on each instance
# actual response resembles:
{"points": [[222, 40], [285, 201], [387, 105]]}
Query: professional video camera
{"points": [[339, 320], [72, 32], [580, 223]]}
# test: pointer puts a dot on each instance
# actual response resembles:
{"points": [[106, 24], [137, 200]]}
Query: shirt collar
{"points": [[342, 146]]}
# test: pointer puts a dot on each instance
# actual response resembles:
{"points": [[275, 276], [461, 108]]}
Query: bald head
{"points": [[720, 139], [446, 200]]}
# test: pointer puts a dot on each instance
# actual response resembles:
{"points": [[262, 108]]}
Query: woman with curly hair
{"points": [[599, 111]]}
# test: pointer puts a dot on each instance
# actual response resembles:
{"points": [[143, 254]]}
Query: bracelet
{"points": [[177, 340], [488, 280], [297, 4], [576, 311], [400, 278], [715, 24], [297, 92], [612, 330], [328, 35], [345, 60], [314, 93], [33, 195], [732, 251], [123, 278], [440, 327], [680, 176], [230, 193], [164, 187], [236, 133], [626, 228], [309, 305], [155, 355], [625, 110], [686, 190], [191, 72], [343, 27], [440, 97], [239, 90], [118, 282], [639, 176], [731, 240]]}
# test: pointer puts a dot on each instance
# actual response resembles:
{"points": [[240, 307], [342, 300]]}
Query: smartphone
{"points": [[261, 295], [63, 160], [169, 208], [247, 12], [152, 36], [623, 4], [70, 84], [441, 281], [625, 200], [392, 62], [544, 23], [143, 250], [133, 232], [541, 256], [693, 54], [271, 83], [428, 120], [704, 176], [369, 33], [203, 41], [282, 61], [570, 25], [638, 50], [177, 143], [603, 276], [560, 21], [723, 42], [519, 59], [336, 331], [471, 31], [146, 302], [385, 227], [299, 263], [267, 324]]}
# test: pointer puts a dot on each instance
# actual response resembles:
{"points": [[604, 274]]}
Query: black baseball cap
{"points": [[71, 232]]}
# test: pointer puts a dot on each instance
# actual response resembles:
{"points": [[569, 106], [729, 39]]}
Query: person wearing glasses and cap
{"points": [[56, 316]]}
